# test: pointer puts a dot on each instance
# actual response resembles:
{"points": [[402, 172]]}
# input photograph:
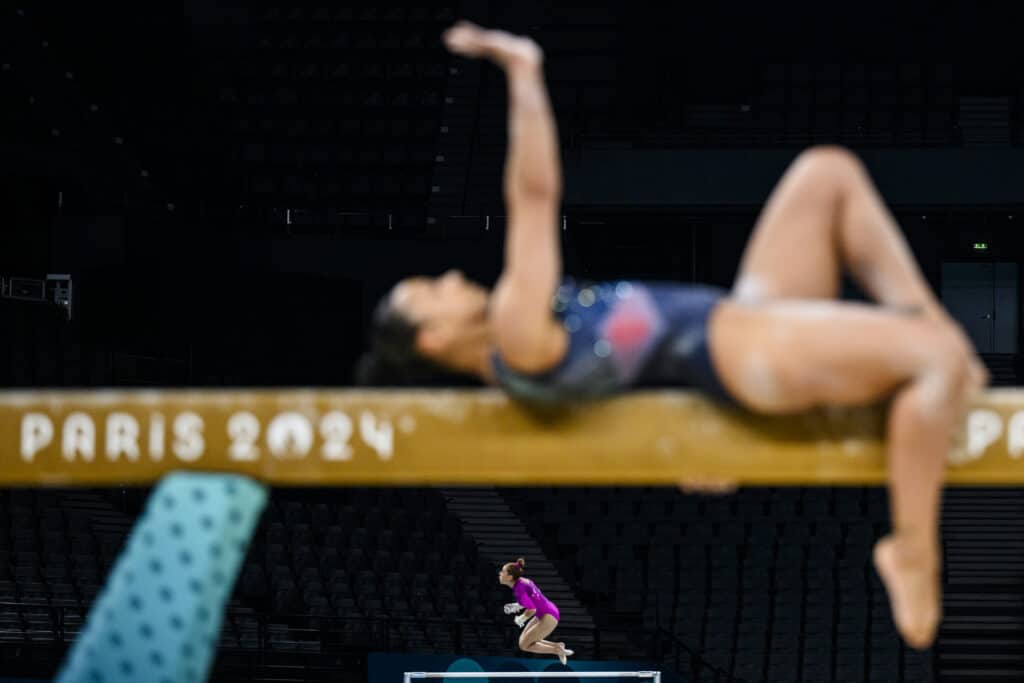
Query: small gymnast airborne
{"points": [[539, 615], [779, 342]]}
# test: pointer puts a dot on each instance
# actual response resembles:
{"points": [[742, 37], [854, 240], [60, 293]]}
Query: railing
{"points": [[410, 676]]}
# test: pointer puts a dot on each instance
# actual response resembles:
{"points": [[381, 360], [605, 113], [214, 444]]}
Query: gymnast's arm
{"points": [[527, 335], [524, 599]]}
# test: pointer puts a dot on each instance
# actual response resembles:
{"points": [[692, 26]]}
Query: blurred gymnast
{"points": [[779, 342]]}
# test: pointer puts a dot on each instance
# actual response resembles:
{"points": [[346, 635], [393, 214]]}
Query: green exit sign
{"points": [[981, 246]]}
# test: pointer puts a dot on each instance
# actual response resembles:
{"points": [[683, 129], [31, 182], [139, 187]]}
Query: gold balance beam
{"points": [[350, 437]]}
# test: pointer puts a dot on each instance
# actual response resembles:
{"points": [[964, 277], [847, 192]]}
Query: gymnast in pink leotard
{"points": [[539, 614]]}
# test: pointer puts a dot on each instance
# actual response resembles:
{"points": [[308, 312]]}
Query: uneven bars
{"points": [[654, 675]]}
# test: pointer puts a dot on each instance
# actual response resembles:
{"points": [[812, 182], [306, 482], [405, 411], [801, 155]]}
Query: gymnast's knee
{"points": [[831, 161], [944, 374]]}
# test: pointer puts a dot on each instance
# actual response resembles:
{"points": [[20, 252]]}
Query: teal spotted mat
{"points": [[158, 618]]}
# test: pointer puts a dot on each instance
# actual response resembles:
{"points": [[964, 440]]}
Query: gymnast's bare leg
{"points": [[532, 639], [783, 346]]}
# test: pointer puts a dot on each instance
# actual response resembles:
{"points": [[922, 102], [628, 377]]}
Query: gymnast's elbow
{"points": [[542, 188]]}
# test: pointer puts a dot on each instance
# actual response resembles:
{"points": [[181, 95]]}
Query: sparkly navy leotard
{"points": [[622, 335]]}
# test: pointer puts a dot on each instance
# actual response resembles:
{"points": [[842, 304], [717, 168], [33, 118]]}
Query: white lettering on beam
{"points": [[156, 437], [243, 430], [189, 443], [36, 434], [122, 436], [290, 435], [78, 436], [378, 434], [336, 430], [1015, 436], [984, 427]]}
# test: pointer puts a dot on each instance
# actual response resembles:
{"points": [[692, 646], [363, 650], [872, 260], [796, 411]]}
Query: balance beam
{"points": [[472, 437]]}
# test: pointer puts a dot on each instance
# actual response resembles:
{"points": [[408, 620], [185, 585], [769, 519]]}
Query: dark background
{"points": [[232, 185]]}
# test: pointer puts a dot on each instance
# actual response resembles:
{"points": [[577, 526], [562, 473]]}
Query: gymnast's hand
{"points": [[708, 486], [507, 50], [512, 607]]}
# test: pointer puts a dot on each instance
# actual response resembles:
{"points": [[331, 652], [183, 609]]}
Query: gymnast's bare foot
{"points": [[507, 50], [910, 572]]}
